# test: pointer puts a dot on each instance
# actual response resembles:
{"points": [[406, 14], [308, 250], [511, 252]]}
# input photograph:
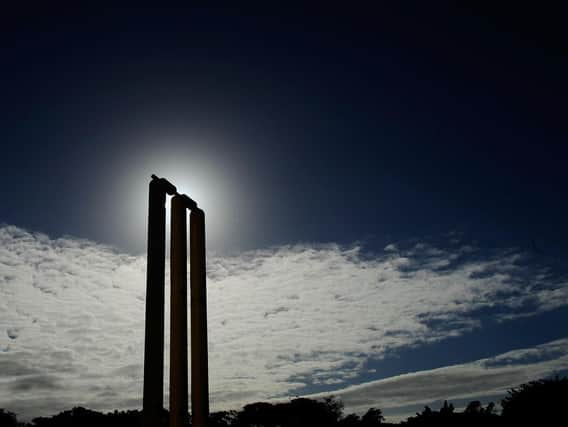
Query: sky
{"points": [[384, 190]]}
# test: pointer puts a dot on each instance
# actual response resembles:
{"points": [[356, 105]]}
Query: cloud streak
{"points": [[485, 377], [280, 319]]}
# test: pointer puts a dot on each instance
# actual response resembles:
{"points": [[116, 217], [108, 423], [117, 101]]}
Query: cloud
{"points": [[34, 382], [486, 377], [280, 319]]}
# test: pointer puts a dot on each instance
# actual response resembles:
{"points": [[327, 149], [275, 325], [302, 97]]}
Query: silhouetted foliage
{"points": [[473, 415], [84, 417], [222, 419], [124, 418], [543, 402], [351, 420], [535, 403], [259, 414], [473, 407], [7, 418], [76, 416], [476, 408], [297, 412], [372, 417]]}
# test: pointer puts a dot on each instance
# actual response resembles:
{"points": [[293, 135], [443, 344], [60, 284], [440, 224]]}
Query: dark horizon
{"points": [[528, 404]]}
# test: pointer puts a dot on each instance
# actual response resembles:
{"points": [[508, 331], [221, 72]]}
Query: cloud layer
{"points": [[485, 378], [280, 319]]}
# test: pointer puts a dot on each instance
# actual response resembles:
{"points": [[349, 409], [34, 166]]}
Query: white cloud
{"points": [[72, 315], [486, 377]]}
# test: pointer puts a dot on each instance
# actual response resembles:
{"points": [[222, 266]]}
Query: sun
{"points": [[204, 175]]}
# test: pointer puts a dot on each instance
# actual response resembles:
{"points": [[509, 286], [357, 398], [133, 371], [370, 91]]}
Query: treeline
{"points": [[536, 403]]}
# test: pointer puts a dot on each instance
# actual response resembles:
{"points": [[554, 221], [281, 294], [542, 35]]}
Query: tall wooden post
{"points": [[178, 311], [199, 365], [154, 331]]}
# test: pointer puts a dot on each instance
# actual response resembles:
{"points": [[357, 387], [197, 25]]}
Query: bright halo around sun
{"points": [[207, 176]]}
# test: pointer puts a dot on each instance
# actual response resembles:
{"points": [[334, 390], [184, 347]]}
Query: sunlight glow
{"points": [[204, 174]]}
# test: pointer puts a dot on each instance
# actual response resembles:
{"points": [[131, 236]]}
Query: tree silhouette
{"points": [[222, 419], [79, 416], [76, 416], [297, 412], [473, 415], [373, 417], [473, 407], [541, 402], [7, 418], [447, 409], [536, 403], [308, 412], [351, 420], [260, 414]]}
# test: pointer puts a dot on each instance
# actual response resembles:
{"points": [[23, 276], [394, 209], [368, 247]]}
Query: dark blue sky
{"points": [[344, 124]]}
